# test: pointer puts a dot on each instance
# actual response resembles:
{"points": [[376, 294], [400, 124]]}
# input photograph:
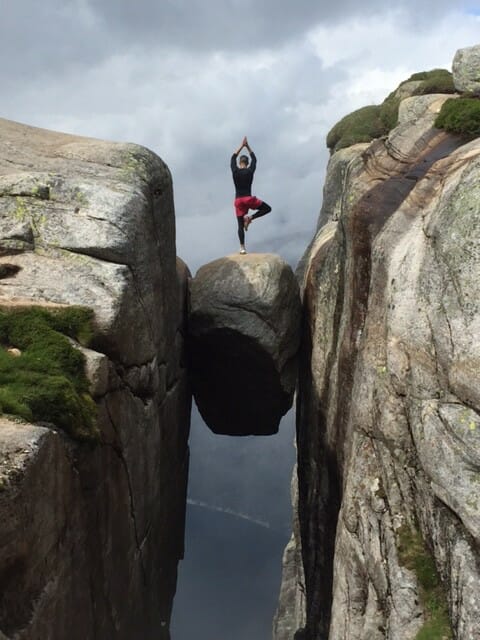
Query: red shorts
{"points": [[243, 204]]}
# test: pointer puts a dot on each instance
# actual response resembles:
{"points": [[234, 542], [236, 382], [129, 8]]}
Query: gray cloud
{"points": [[238, 24], [117, 70], [63, 36]]}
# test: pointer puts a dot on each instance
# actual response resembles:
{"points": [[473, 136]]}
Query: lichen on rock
{"points": [[466, 66]]}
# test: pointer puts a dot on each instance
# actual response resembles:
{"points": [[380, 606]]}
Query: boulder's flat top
{"points": [[20, 143], [32, 150], [252, 257]]}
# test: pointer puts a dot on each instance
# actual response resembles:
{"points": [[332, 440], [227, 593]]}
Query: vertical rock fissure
{"points": [[314, 527], [116, 448]]}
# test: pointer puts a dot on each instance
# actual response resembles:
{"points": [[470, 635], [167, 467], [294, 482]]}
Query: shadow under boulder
{"points": [[244, 336]]}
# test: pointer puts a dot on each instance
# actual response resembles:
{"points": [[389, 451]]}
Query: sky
{"points": [[189, 79]]}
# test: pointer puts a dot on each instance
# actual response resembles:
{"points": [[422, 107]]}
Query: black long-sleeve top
{"points": [[243, 178]]}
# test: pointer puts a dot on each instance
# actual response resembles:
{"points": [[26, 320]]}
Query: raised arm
{"points": [[253, 157]]}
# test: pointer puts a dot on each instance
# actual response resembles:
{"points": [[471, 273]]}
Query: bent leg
{"points": [[263, 209]]}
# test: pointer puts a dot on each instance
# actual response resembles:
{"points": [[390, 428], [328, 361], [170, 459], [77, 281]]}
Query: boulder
{"points": [[466, 69], [244, 330]]}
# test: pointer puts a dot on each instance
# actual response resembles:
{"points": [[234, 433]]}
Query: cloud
{"points": [[96, 69], [243, 24], [60, 37]]}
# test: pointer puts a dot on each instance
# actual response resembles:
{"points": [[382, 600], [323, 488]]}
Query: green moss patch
{"points": [[375, 121], [434, 81], [460, 115], [362, 125], [365, 124], [47, 381], [414, 555]]}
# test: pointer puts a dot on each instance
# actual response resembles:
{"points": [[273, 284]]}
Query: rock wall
{"points": [[388, 402], [90, 535]]}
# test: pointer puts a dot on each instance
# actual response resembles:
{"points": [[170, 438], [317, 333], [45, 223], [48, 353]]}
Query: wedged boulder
{"points": [[466, 69], [244, 334]]}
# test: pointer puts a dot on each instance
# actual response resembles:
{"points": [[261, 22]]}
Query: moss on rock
{"points": [[374, 121], [47, 381], [414, 555], [460, 115], [362, 125], [434, 81]]}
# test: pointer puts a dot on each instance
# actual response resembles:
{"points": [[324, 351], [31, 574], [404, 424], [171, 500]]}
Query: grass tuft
{"points": [[434, 81], [362, 125], [414, 555], [460, 115], [375, 121], [47, 382]]}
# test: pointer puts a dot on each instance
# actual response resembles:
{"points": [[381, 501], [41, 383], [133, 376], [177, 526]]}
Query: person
{"points": [[244, 201]]}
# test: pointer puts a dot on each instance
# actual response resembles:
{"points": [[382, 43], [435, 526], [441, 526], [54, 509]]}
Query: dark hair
{"points": [[244, 159]]}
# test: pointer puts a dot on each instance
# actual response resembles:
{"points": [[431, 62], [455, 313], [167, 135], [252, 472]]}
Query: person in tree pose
{"points": [[243, 178]]}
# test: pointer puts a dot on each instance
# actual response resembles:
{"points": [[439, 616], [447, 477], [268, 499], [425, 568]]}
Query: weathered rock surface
{"points": [[388, 401], [244, 336], [466, 69], [90, 536]]}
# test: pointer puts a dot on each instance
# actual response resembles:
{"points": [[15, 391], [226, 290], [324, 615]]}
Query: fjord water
{"points": [[238, 523]]}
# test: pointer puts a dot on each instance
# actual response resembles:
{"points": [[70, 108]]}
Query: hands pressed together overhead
{"points": [[244, 144]]}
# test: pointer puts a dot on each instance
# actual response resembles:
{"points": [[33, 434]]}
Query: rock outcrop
{"points": [[90, 535], [388, 401], [244, 336], [466, 69]]}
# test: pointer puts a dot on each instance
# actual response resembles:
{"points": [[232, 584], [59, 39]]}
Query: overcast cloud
{"points": [[189, 79]]}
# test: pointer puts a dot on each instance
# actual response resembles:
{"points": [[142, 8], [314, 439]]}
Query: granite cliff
{"points": [[386, 496], [91, 530]]}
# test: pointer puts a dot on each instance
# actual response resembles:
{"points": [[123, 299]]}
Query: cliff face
{"points": [[388, 402], [90, 534]]}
